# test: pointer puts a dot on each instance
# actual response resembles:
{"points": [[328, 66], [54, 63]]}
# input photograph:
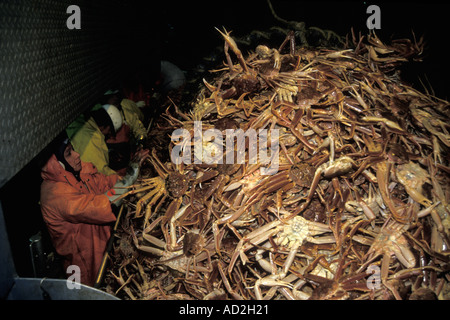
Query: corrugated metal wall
{"points": [[49, 73]]}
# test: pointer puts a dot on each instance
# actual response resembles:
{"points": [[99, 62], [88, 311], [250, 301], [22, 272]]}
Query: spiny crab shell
{"points": [[298, 229]]}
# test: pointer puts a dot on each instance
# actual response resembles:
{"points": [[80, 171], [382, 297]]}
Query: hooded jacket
{"points": [[77, 214]]}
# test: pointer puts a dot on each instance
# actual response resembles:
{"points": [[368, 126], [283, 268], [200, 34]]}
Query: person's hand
{"points": [[141, 155]]}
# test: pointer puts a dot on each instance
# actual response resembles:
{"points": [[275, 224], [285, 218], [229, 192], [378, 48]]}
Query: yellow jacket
{"points": [[134, 118], [90, 143]]}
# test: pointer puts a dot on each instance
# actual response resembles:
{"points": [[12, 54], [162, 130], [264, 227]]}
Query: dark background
{"points": [[188, 28], [184, 32]]}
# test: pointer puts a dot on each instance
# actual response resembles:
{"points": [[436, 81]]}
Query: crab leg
{"points": [[230, 43], [253, 238]]}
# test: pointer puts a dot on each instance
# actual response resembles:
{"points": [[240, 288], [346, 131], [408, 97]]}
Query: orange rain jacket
{"points": [[78, 215]]}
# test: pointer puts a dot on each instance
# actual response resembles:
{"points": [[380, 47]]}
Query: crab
{"points": [[370, 206], [184, 255], [168, 183], [290, 234], [390, 241], [413, 177]]}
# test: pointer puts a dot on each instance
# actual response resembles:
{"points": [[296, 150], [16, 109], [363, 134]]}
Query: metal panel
{"points": [[49, 74]]}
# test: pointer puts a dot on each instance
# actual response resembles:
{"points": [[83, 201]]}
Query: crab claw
{"points": [[230, 43], [209, 86]]}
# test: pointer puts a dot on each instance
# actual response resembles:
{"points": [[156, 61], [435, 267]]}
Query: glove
{"points": [[113, 194], [130, 176], [121, 186]]}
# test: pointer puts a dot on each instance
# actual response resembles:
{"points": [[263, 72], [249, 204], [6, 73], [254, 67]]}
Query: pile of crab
{"points": [[357, 206]]}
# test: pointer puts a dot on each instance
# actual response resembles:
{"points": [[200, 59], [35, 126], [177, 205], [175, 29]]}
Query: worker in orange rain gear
{"points": [[76, 207]]}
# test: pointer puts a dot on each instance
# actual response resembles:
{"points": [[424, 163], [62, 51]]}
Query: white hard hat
{"points": [[115, 115]]}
